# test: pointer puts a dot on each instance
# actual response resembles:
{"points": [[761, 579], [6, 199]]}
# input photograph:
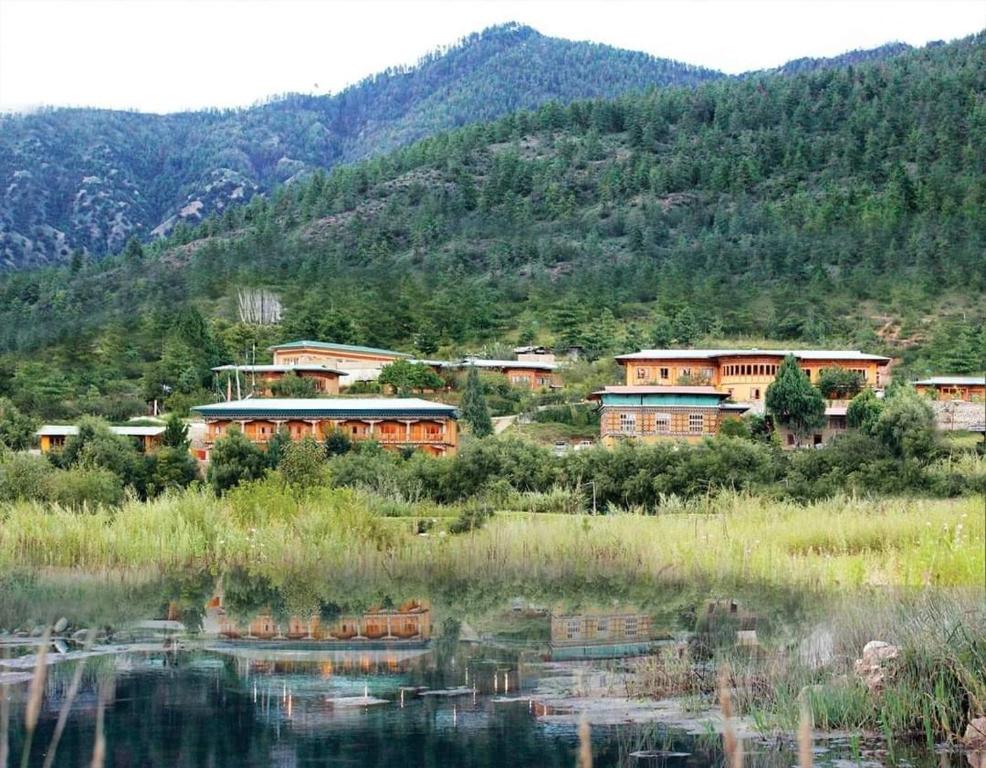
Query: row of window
{"points": [[631, 626], [758, 369], [662, 423], [665, 373]]}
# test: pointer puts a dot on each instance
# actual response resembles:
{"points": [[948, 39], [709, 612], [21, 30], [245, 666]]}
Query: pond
{"points": [[230, 676]]}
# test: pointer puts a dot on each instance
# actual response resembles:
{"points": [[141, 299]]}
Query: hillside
{"points": [[843, 207], [89, 179]]}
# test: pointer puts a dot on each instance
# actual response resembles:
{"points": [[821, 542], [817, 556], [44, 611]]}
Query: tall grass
{"points": [[732, 538]]}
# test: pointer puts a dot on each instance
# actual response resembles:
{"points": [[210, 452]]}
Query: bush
{"points": [[80, 487], [234, 459], [907, 427], [23, 476]]}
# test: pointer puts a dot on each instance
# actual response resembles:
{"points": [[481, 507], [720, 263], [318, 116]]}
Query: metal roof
{"points": [[655, 389], [955, 381], [67, 430], [308, 344], [329, 407], [708, 354], [479, 362], [303, 367]]}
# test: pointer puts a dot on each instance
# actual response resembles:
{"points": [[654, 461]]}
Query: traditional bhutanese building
{"points": [[528, 374], [652, 413], [393, 422], [256, 380], [411, 621], [743, 374], [968, 388], [356, 363], [53, 436]]}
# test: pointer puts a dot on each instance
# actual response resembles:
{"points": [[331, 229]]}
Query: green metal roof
{"points": [[308, 344], [327, 408]]}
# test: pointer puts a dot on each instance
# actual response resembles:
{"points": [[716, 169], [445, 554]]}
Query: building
{"points": [[52, 437], [535, 353], [410, 622], [256, 380], [606, 634], [357, 363], [967, 388], [652, 413], [529, 374], [743, 374], [392, 422], [835, 424]]}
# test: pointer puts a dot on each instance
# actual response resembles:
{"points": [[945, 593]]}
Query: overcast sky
{"points": [[168, 55]]}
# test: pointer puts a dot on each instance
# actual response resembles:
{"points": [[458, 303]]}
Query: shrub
{"points": [[233, 460], [82, 487], [23, 476]]}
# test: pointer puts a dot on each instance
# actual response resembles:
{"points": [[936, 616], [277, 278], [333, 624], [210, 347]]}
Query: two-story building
{"points": [[654, 413], [528, 374], [356, 363], [257, 380], [744, 374], [393, 422]]}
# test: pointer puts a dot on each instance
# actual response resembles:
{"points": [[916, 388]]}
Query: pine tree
{"points": [[474, 409], [175, 433], [794, 402]]}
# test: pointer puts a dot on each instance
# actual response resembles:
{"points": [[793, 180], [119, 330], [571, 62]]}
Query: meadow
{"points": [[836, 543]]}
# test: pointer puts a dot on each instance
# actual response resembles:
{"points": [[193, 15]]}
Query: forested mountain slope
{"points": [[89, 179], [844, 207]]}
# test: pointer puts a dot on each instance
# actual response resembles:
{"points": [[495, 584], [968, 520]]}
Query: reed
{"points": [[735, 538]]}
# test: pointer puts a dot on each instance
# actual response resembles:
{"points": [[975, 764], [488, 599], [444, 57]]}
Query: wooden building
{"points": [[256, 380], [355, 362], [409, 622], [967, 388], [655, 413], [527, 374], [743, 374], [393, 422], [52, 437], [836, 423]]}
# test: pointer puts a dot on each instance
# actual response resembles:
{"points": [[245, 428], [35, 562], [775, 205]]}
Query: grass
{"points": [[732, 538]]}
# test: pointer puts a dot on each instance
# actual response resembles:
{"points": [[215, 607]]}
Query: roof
{"points": [[308, 344], [301, 367], [531, 364], [328, 407], [533, 348], [654, 389], [67, 430], [435, 363], [954, 381], [708, 354]]}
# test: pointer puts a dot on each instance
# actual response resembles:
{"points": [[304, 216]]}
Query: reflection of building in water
{"points": [[411, 621], [600, 634]]}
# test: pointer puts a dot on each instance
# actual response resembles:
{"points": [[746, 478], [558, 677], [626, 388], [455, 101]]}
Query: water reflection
{"points": [[237, 670]]}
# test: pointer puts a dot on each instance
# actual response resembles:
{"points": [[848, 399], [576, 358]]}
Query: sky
{"points": [[170, 55]]}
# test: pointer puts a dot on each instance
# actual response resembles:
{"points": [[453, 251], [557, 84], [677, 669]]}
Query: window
{"points": [[696, 422], [686, 371], [664, 373], [807, 372], [628, 423], [641, 373], [632, 626], [602, 625], [790, 439], [756, 394], [572, 629], [662, 423]]}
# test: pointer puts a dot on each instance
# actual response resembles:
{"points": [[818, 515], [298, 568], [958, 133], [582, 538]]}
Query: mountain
{"points": [[838, 208], [89, 179], [850, 58]]}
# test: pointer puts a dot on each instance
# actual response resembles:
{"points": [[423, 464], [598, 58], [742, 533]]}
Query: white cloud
{"points": [[160, 55]]}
